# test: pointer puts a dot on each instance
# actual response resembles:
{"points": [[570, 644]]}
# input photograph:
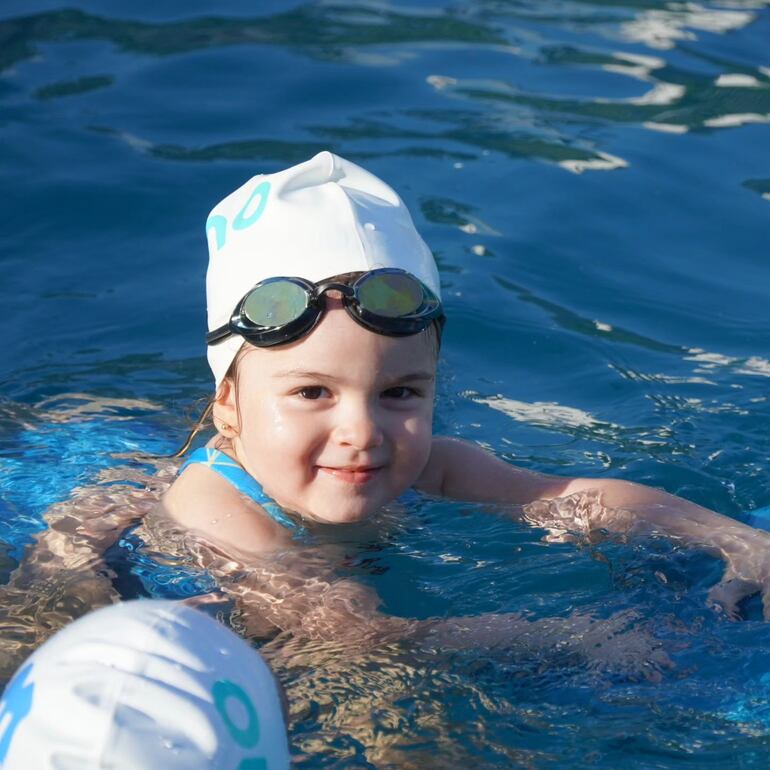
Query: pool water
{"points": [[594, 179]]}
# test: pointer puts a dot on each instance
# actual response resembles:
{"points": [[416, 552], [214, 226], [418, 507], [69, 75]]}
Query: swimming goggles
{"points": [[279, 310]]}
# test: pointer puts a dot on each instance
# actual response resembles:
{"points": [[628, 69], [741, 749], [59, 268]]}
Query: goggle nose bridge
{"points": [[345, 289]]}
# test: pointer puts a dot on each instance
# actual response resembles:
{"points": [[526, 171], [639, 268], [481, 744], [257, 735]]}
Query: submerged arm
{"points": [[62, 574], [465, 471], [299, 593]]}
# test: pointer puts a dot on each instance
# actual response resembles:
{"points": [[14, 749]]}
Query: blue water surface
{"points": [[594, 180]]}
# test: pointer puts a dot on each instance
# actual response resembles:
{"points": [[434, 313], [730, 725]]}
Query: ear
{"points": [[226, 409]]}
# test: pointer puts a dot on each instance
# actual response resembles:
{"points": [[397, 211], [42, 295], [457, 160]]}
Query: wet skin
{"points": [[336, 424]]}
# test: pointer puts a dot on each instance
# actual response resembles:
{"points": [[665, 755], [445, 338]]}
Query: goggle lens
{"points": [[280, 310], [390, 295], [276, 303]]}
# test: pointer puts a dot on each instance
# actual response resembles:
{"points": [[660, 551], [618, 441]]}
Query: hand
{"points": [[747, 572], [616, 645], [745, 550]]}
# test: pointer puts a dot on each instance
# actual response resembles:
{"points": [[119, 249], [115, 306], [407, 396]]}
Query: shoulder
{"points": [[465, 471], [204, 502], [445, 452]]}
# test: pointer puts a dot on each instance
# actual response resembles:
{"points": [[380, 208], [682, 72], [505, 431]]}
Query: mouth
{"points": [[357, 475]]}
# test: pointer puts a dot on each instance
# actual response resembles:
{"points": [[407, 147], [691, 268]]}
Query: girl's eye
{"points": [[400, 392], [312, 392]]}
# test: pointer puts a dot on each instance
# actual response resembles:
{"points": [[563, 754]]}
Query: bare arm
{"points": [[462, 470], [62, 574], [298, 592]]}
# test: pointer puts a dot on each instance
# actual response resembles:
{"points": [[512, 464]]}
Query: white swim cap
{"points": [[144, 685], [320, 218]]}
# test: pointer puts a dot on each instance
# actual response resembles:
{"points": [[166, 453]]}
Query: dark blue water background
{"points": [[594, 179]]}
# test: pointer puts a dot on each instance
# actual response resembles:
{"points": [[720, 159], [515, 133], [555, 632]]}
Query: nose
{"points": [[357, 426]]}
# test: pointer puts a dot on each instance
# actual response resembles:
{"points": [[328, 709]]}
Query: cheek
{"points": [[275, 433], [413, 450], [417, 435]]}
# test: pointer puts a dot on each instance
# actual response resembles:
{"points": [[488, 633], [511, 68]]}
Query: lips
{"points": [[360, 474]]}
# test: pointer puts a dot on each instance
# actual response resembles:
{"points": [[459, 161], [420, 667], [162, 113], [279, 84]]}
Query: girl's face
{"points": [[338, 423]]}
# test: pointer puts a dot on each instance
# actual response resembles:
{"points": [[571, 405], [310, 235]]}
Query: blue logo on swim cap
{"points": [[245, 218], [219, 223], [246, 735], [17, 702]]}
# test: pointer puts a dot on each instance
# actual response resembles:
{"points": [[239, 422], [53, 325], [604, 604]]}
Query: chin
{"points": [[340, 515], [348, 517]]}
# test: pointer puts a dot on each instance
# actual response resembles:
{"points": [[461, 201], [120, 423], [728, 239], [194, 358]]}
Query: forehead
{"points": [[340, 346]]}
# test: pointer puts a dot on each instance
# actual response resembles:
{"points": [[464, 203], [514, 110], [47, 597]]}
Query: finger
{"points": [[727, 593], [766, 602], [199, 601], [659, 657], [653, 675]]}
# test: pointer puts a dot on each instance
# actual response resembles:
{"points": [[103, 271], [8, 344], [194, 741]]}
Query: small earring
{"points": [[223, 426]]}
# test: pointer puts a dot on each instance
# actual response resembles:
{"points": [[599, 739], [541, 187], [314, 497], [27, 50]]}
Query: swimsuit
{"points": [[247, 485]]}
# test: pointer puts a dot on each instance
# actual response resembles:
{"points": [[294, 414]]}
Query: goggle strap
{"points": [[218, 335]]}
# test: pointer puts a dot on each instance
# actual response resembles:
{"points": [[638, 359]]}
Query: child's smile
{"points": [[354, 474], [339, 423]]}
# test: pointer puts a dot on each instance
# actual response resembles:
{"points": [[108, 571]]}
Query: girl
{"points": [[325, 321]]}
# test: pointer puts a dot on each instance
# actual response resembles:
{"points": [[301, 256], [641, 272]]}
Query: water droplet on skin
{"points": [[215, 521]]}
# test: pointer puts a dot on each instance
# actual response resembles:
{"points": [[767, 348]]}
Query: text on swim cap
{"points": [[16, 703], [249, 214], [246, 735]]}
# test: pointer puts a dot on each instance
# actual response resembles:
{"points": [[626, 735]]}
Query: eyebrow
{"points": [[311, 375]]}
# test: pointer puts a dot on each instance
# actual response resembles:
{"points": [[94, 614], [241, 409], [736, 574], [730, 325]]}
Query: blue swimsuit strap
{"points": [[232, 471]]}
